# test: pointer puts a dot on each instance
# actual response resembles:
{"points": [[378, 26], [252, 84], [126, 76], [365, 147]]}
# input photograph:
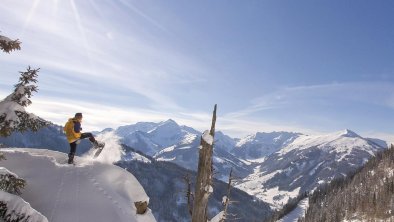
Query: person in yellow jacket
{"points": [[73, 133]]}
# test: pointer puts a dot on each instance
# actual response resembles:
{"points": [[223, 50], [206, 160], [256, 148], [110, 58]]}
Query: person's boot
{"points": [[70, 158], [97, 145]]}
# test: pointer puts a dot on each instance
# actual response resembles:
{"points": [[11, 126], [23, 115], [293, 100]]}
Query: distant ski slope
{"points": [[88, 191]]}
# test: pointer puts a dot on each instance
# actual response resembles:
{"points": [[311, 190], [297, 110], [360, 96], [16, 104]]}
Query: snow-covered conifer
{"points": [[8, 45], [13, 116], [25, 87], [13, 208], [10, 182]]}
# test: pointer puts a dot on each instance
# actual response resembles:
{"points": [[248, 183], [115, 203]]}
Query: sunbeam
{"points": [[30, 15], [82, 31], [129, 5]]}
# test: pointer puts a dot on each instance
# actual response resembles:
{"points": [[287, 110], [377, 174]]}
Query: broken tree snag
{"points": [[189, 194], [226, 199], [203, 186], [141, 206], [212, 132]]}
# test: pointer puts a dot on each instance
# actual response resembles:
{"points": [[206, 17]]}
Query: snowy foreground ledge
{"points": [[17, 204], [89, 191]]}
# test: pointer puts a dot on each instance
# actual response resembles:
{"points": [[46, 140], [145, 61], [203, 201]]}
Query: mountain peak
{"points": [[169, 125], [348, 133], [169, 122]]}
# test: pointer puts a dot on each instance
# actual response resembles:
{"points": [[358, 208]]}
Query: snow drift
{"points": [[88, 191]]}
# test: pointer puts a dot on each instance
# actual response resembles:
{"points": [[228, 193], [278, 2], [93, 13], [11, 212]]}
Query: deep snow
{"points": [[88, 191]]}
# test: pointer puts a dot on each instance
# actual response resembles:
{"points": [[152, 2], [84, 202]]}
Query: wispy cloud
{"points": [[69, 44], [374, 93]]}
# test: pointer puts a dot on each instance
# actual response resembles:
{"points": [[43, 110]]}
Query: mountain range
{"points": [[271, 166]]}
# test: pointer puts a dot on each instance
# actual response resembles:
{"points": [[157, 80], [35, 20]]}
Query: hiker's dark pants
{"points": [[73, 145]]}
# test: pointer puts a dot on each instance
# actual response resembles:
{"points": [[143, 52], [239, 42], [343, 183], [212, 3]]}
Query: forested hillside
{"points": [[367, 195]]}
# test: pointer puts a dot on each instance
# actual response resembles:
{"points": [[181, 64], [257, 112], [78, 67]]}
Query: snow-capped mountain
{"points": [[167, 141], [88, 191], [368, 195], [123, 131], [306, 163], [167, 133], [271, 166], [224, 142], [260, 145], [163, 182], [151, 138]]}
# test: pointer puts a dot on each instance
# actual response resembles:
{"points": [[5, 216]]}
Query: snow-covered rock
{"points": [[88, 191]]}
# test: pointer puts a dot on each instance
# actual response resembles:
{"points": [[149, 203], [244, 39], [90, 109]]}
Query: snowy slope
{"points": [[306, 163], [151, 138], [88, 191], [298, 212], [272, 166], [342, 142], [168, 141], [259, 145]]}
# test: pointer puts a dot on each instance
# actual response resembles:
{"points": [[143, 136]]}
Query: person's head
{"points": [[78, 116]]}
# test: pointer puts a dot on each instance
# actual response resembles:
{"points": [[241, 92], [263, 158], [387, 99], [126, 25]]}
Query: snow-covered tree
{"points": [[8, 45], [10, 182], [13, 116], [11, 206], [14, 209]]}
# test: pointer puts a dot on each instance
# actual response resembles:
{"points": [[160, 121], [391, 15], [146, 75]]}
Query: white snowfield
{"points": [[342, 142], [297, 213], [90, 191]]}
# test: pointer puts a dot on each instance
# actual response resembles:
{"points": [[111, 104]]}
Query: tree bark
{"points": [[204, 175], [226, 202]]}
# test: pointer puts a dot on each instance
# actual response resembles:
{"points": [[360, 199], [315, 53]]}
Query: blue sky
{"points": [[305, 66]]}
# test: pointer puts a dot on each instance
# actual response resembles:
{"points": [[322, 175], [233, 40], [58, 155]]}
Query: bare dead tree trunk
{"points": [[189, 194], [226, 200], [204, 174]]}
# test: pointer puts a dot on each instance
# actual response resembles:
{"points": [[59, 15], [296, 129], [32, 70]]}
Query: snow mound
{"points": [[87, 191], [15, 204]]}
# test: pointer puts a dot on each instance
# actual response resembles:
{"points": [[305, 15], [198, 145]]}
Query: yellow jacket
{"points": [[71, 135]]}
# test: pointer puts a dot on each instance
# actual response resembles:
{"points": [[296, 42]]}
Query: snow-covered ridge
{"points": [[259, 145], [88, 191], [273, 137], [305, 163], [343, 141]]}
